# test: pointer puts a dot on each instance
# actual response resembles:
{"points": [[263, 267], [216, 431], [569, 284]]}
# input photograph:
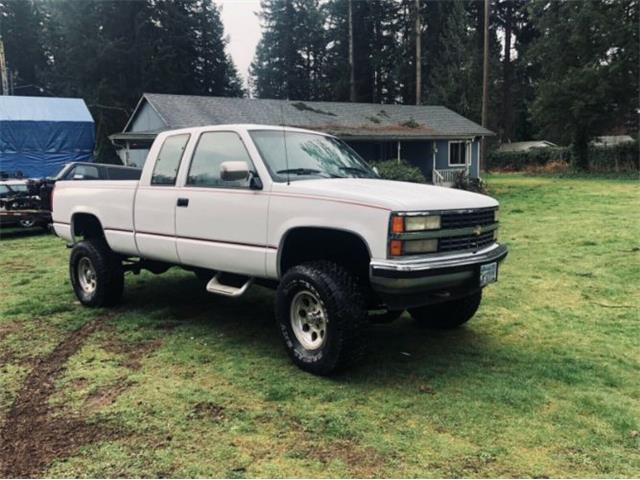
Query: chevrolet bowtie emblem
{"points": [[477, 230]]}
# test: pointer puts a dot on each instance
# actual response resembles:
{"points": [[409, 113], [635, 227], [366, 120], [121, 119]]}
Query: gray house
{"points": [[437, 140]]}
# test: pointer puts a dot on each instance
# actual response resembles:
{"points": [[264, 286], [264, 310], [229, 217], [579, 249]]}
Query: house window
{"points": [[458, 153]]}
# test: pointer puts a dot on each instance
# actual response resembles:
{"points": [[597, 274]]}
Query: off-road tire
{"points": [[344, 303], [447, 315], [109, 275]]}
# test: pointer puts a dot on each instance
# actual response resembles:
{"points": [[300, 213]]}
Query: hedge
{"points": [[402, 171], [624, 157]]}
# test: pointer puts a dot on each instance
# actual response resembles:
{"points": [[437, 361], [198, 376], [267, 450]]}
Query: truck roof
{"points": [[242, 126]]}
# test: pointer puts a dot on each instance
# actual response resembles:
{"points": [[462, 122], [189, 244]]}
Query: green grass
{"points": [[545, 381]]}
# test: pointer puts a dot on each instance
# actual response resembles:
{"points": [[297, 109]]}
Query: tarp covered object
{"points": [[38, 135]]}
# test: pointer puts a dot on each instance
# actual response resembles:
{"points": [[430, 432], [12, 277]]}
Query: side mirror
{"points": [[232, 171]]}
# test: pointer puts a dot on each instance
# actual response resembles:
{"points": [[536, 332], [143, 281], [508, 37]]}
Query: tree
{"points": [[450, 66], [110, 52], [21, 33], [290, 55], [587, 53]]}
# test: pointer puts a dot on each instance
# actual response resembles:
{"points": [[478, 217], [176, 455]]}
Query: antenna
{"points": [[284, 142]]}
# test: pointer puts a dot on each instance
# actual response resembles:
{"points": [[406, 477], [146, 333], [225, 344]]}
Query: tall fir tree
{"points": [[291, 53], [110, 52], [21, 32], [588, 54]]}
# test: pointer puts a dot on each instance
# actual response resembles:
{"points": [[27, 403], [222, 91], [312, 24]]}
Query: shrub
{"points": [[471, 184], [624, 157], [532, 159], [402, 171]]}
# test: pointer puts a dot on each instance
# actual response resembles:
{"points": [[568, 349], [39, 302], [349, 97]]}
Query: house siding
{"points": [[147, 120]]}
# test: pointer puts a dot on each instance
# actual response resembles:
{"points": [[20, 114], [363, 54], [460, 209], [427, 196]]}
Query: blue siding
{"points": [[418, 153], [147, 120]]}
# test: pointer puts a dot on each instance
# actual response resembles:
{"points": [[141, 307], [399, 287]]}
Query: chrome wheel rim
{"points": [[86, 275], [308, 320]]}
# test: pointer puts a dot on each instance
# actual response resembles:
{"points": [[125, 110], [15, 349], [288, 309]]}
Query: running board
{"points": [[214, 286]]}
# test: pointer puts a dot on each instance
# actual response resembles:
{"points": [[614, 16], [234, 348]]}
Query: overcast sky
{"points": [[242, 26]]}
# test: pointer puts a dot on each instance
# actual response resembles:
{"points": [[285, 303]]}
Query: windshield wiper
{"points": [[301, 171], [355, 169]]}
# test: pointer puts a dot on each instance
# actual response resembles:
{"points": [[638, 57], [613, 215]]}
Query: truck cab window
{"points": [[166, 168], [212, 150]]}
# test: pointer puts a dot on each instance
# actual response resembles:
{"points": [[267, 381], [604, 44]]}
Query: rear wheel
{"points": [[96, 273], [448, 315], [321, 314]]}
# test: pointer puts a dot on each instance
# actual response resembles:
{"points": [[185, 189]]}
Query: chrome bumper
{"points": [[411, 282]]}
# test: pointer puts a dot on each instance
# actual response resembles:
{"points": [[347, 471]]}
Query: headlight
{"points": [[495, 215], [414, 224], [414, 247]]}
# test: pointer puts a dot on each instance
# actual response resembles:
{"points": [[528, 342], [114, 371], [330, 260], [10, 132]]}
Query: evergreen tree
{"points": [[21, 33], [290, 55], [450, 67], [110, 52], [588, 58]]}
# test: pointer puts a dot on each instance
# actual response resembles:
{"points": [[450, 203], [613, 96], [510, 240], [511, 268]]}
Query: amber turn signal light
{"points": [[397, 224], [395, 248]]}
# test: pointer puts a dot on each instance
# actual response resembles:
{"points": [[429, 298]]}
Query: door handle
{"points": [[183, 202]]}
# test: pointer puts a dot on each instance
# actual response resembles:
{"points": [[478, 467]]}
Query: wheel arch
{"points": [[87, 225], [307, 243]]}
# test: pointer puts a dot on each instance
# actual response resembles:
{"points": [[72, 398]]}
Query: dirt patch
{"points": [[9, 327], [30, 437], [134, 352], [107, 395], [208, 411], [362, 462]]}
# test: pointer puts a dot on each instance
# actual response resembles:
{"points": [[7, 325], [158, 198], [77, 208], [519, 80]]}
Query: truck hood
{"points": [[397, 196]]}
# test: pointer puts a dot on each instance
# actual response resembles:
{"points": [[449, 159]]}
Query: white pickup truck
{"points": [[292, 209]]}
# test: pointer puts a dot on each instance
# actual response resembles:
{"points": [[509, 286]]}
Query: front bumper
{"points": [[414, 282]]}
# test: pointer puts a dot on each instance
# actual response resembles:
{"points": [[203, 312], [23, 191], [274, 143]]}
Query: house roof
{"points": [[525, 146], [347, 120], [612, 140], [43, 109]]}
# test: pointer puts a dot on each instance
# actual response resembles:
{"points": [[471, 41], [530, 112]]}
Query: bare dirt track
{"points": [[31, 437]]}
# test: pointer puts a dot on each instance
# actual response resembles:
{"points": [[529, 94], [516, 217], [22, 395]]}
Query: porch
{"points": [[447, 177], [440, 160]]}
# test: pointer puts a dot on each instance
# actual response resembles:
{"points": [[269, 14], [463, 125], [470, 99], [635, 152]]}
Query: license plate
{"points": [[488, 273]]}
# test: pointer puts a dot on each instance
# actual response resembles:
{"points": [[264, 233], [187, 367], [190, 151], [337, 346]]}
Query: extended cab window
{"points": [[166, 168], [214, 148]]}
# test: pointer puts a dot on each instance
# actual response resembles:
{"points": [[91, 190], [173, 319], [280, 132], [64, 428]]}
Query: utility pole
{"points": [[352, 70], [418, 55], [485, 84], [4, 74]]}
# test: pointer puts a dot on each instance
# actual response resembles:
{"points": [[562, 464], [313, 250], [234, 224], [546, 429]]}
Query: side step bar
{"points": [[215, 286]]}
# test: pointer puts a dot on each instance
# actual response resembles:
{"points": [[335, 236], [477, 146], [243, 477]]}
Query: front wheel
{"points": [[321, 315], [96, 273], [448, 315]]}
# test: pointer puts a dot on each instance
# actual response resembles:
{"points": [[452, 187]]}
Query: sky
{"points": [[242, 27]]}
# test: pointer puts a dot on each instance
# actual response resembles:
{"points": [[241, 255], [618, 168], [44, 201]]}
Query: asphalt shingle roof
{"points": [[364, 120]]}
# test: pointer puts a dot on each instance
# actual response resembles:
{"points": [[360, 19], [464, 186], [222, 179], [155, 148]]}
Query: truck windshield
{"points": [[308, 155]]}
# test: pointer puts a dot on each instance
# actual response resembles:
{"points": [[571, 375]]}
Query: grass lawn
{"points": [[545, 381]]}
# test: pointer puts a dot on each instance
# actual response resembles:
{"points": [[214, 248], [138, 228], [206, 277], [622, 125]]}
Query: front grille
{"points": [[485, 216], [467, 242]]}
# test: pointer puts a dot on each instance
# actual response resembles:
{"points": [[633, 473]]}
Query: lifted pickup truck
{"points": [[292, 209]]}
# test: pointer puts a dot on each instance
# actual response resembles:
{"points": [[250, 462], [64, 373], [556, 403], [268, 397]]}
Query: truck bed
{"points": [[109, 200]]}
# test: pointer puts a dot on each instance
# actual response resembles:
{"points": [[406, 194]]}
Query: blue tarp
{"points": [[38, 135]]}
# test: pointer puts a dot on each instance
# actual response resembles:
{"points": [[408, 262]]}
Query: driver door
{"points": [[221, 225]]}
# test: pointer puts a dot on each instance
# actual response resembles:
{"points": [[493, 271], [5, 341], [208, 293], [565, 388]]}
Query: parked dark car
{"points": [[21, 204]]}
